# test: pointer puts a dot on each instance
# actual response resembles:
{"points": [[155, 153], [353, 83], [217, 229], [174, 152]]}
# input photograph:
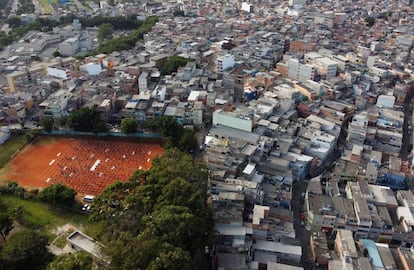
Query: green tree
{"points": [[370, 21], [58, 194], [173, 63], [167, 126], [129, 125], [86, 119], [178, 12], [80, 260], [25, 250], [188, 141], [14, 21], [56, 53], [134, 253], [172, 191], [47, 123], [173, 133], [105, 31], [31, 135], [6, 225]]}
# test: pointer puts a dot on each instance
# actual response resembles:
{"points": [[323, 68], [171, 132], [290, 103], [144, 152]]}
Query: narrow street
{"points": [[301, 233]]}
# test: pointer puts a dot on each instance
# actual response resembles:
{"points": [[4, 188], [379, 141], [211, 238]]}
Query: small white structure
{"points": [[80, 241], [386, 101]]}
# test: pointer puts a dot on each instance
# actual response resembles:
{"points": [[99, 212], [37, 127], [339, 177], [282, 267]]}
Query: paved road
{"points": [[407, 128], [301, 233]]}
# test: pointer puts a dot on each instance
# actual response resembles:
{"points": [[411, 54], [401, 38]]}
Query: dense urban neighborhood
{"points": [[286, 128]]}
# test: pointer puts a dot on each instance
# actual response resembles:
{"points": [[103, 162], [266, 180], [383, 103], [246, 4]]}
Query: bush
{"points": [[58, 194]]}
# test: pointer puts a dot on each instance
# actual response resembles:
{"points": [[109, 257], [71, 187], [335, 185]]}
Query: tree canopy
{"points": [[47, 123], [173, 63], [6, 225], [58, 194], [25, 250], [129, 125], [127, 41], [76, 261], [139, 215], [178, 12], [105, 31], [86, 119], [370, 21], [173, 133]]}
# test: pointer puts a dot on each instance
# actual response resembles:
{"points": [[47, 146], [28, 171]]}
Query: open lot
{"points": [[86, 165]]}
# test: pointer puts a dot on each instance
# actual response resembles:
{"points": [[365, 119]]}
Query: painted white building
{"points": [[326, 67], [237, 120], [300, 71], [56, 102], [358, 129], [224, 62], [93, 69], [247, 7], [386, 101], [323, 139], [69, 47], [143, 82]]}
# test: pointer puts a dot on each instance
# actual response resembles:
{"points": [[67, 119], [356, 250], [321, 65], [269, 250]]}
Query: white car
{"points": [[86, 207]]}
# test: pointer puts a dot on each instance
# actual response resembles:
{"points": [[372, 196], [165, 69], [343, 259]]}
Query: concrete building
{"points": [[326, 67], [300, 71], [81, 242], [224, 62], [238, 119], [69, 47], [143, 82], [357, 130]]}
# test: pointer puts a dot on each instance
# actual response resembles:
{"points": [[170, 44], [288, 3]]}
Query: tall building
{"points": [[357, 130], [326, 67], [300, 71], [224, 62], [143, 82]]}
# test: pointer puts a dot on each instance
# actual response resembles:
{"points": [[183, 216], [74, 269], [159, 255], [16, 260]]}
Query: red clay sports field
{"points": [[86, 165]]}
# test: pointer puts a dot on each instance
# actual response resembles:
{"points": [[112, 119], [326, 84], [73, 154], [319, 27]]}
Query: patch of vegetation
{"points": [[26, 249], [174, 135], [60, 241], [58, 194], [9, 148], [86, 119], [173, 63], [125, 42], [25, 7], [37, 215], [159, 219], [46, 7], [370, 21]]}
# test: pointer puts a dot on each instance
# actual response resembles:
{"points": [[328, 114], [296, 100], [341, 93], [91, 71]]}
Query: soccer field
{"points": [[86, 165]]}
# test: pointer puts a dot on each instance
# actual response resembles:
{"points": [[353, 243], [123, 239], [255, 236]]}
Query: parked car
{"points": [[86, 207]]}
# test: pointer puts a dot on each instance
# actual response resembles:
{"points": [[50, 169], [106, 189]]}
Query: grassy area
{"points": [[60, 242], [10, 147], [46, 7], [38, 215]]}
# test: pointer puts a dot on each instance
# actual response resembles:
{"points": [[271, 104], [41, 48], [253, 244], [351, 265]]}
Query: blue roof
{"points": [[373, 253]]}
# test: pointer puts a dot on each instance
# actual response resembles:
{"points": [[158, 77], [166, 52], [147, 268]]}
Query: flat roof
{"points": [[277, 247], [372, 249], [86, 243]]}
